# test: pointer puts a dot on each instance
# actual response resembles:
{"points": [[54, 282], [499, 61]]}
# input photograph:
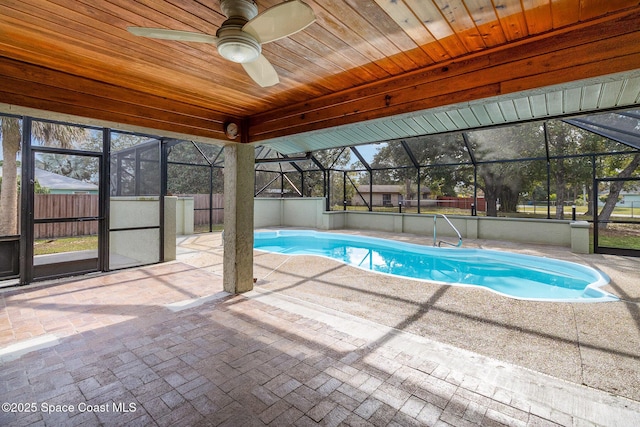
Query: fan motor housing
{"points": [[233, 43], [247, 9], [236, 45]]}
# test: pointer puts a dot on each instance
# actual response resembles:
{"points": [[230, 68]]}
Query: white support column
{"points": [[170, 235], [580, 238], [239, 164]]}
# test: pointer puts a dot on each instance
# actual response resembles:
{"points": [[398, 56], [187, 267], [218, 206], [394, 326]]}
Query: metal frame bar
{"points": [[210, 165], [27, 203], [596, 222], [474, 162], [284, 175], [266, 186], [357, 191], [548, 159], [586, 125], [163, 157], [104, 202]]}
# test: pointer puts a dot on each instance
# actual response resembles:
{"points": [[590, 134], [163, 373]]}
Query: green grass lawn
{"points": [[204, 228], [65, 244], [626, 242], [625, 236], [81, 243]]}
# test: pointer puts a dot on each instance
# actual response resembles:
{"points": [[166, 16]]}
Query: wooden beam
{"points": [[596, 48], [37, 87]]}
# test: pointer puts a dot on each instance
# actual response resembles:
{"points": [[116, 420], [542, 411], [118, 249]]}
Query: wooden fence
{"points": [[201, 208], [51, 206], [461, 203]]}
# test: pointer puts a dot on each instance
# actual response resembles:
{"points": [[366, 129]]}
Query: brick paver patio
{"points": [[162, 345]]}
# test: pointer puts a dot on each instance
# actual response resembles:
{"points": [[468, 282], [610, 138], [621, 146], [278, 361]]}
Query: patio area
{"points": [[315, 342]]}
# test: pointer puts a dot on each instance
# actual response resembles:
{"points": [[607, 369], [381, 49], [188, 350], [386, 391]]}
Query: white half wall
{"points": [[309, 213], [139, 246], [289, 212]]}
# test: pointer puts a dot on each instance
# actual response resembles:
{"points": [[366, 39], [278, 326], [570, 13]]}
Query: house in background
{"points": [[382, 195], [60, 184], [629, 200]]}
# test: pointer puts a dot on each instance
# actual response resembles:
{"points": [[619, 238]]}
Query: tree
{"points": [[621, 166], [50, 134], [390, 163], [336, 158], [505, 181], [135, 165], [501, 182], [184, 179], [616, 187], [82, 168], [445, 156], [492, 180], [436, 154], [10, 136], [569, 172]]}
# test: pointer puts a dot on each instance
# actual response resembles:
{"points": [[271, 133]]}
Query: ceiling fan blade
{"points": [[280, 21], [262, 72], [164, 34]]}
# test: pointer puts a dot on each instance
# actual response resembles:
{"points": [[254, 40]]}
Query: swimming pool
{"points": [[514, 275]]}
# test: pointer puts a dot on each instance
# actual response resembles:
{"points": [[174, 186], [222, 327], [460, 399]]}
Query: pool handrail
{"points": [[435, 238]]}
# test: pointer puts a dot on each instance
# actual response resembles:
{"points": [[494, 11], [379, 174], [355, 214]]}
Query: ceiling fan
{"points": [[240, 37]]}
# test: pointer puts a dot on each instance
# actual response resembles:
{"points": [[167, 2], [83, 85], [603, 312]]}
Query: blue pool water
{"points": [[515, 275]]}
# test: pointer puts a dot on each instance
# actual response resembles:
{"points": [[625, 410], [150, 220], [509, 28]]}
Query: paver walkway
{"points": [[162, 345]]}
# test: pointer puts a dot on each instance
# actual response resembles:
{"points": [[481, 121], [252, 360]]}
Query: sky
{"points": [[367, 151]]}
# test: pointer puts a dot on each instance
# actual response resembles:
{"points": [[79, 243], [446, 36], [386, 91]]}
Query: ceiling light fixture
{"points": [[240, 48]]}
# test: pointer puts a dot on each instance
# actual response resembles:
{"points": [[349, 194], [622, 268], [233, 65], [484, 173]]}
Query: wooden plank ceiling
{"points": [[360, 61]]}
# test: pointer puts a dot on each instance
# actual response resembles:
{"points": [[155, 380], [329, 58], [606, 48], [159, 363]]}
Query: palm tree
{"points": [[63, 136], [10, 135]]}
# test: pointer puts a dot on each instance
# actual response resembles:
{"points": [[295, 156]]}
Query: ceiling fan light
{"points": [[239, 49]]}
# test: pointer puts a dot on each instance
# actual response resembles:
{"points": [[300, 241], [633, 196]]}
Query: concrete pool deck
{"points": [[317, 342], [595, 344]]}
